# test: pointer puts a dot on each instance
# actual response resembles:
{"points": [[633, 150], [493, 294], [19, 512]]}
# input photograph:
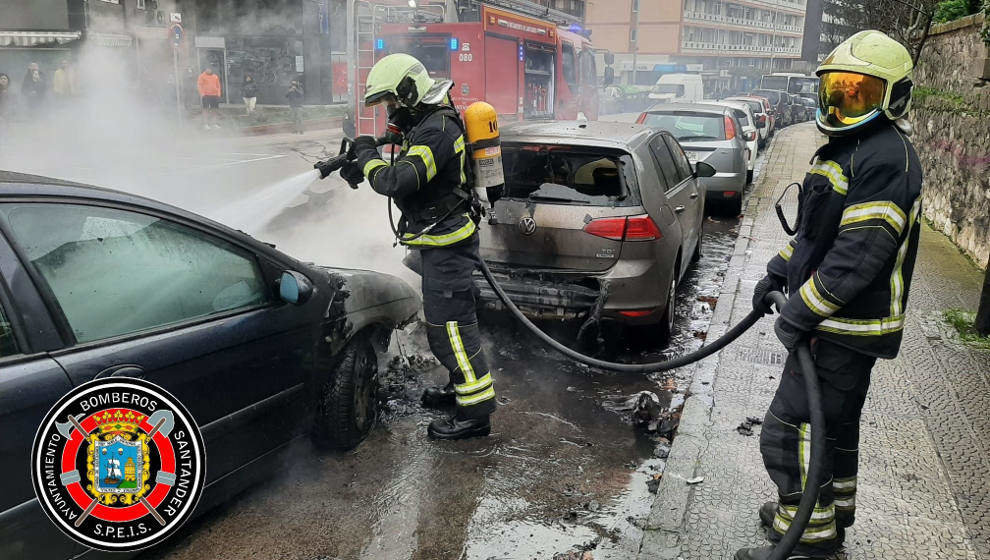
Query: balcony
{"points": [[741, 50], [752, 24]]}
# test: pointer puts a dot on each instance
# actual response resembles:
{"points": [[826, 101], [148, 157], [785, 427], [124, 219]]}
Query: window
{"points": [[115, 272], [569, 175], [569, 65], [665, 163], [589, 75], [684, 170], [8, 346], [687, 125]]}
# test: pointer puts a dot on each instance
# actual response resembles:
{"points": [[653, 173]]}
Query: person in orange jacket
{"points": [[210, 91]]}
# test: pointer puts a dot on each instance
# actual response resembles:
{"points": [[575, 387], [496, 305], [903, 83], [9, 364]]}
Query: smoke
{"points": [[116, 134]]}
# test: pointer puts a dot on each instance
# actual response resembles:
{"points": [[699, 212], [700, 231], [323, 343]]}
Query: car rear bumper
{"points": [[722, 182]]}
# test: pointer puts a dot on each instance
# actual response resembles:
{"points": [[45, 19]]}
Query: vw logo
{"points": [[527, 226]]}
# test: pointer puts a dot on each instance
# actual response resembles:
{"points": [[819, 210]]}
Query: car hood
{"points": [[367, 288]]}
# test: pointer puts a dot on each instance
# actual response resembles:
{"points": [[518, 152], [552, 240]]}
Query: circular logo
{"points": [[527, 226], [118, 464]]}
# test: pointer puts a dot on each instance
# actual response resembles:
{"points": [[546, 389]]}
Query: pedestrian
{"points": [[429, 185], [34, 90], [295, 97], [64, 83], [848, 272], [209, 88], [249, 91]]}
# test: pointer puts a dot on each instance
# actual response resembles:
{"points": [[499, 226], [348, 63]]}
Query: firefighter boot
{"points": [[437, 397], [766, 552], [457, 427]]}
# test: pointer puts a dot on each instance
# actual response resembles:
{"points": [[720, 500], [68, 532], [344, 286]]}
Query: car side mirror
{"points": [[702, 169], [609, 76], [294, 288]]}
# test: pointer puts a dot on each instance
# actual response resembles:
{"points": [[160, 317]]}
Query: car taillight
{"points": [[763, 119], [730, 128], [632, 228], [636, 313], [641, 119], [729, 194]]}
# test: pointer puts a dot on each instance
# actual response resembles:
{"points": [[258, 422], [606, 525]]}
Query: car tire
{"points": [[669, 312], [348, 406], [735, 205], [749, 177], [696, 256]]}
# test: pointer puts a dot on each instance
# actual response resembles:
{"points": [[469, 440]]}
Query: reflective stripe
{"points": [[804, 450], [811, 534], [459, 149], [814, 300], [897, 276], [887, 211], [455, 236], [786, 252], [463, 362], [833, 172], [862, 327], [844, 484], [425, 154], [468, 388], [373, 165], [845, 502], [819, 514], [475, 399]]}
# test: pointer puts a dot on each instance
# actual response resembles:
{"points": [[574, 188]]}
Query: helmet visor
{"points": [[381, 97], [847, 98]]}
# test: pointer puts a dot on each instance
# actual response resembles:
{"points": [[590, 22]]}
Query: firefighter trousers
{"points": [[452, 324], [785, 443]]}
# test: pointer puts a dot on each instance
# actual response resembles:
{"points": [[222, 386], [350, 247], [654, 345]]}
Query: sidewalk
{"points": [[924, 481]]}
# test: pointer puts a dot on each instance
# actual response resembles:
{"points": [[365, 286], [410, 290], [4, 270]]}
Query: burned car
{"points": [[599, 222], [258, 346]]}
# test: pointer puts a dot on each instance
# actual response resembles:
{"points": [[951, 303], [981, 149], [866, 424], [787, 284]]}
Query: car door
{"points": [[141, 295], [693, 213], [30, 383], [681, 192]]}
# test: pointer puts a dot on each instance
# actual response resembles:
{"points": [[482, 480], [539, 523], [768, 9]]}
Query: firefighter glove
{"points": [[769, 283], [352, 173], [788, 334], [364, 143]]}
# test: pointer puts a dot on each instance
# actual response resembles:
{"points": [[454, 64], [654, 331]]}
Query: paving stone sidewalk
{"points": [[924, 482]]}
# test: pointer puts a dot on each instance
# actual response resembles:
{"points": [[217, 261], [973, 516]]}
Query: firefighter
{"points": [[429, 184], [847, 273]]}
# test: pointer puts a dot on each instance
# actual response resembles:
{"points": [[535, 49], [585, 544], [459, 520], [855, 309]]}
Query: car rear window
{"points": [[773, 96], [741, 116], [686, 126], [563, 174], [754, 106]]}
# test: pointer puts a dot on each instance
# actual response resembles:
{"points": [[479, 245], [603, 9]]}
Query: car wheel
{"points": [[696, 256], [667, 323], [348, 407], [749, 177], [735, 205]]}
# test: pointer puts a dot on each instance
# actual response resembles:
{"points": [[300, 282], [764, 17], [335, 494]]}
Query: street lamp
{"points": [[412, 3]]}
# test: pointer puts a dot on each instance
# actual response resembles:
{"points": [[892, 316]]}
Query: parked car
{"points": [[599, 221], [760, 115], [810, 107], [750, 132], [795, 106], [257, 345], [779, 103], [708, 133]]}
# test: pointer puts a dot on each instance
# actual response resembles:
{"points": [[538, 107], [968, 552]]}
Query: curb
{"points": [[661, 533], [277, 128]]}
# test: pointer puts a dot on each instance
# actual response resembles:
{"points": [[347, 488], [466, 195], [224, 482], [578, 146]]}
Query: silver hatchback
{"points": [[712, 134]]}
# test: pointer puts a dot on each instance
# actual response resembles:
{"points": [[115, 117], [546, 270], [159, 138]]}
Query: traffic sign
{"points": [[176, 33]]}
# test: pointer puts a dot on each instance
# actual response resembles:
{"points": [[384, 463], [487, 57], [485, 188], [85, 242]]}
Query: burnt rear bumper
{"points": [[538, 298]]}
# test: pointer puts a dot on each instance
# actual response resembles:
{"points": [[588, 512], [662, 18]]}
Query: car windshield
{"points": [[568, 174], [689, 125], [774, 82], [677, 89]]}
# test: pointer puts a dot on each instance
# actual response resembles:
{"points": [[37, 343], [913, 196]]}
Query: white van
{"points": [[678, 88]]}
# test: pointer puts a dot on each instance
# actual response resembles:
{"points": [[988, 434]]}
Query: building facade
{"points": [[730, 42]]}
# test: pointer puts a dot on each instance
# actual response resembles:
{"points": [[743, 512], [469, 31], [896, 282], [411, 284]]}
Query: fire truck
{"points": [[527, 68]]}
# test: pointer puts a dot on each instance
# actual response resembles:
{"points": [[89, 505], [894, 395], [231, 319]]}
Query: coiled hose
{"points": [[817, 459]]}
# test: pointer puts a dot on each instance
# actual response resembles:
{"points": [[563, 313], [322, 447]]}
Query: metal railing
{"points": [[738, 49], [742, 22]]}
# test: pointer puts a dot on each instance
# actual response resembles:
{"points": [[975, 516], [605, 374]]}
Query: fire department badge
{"points": [[118, 464]]}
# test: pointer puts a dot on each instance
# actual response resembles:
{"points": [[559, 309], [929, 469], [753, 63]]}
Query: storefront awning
{"points": [[109, 39], [37, 38]]}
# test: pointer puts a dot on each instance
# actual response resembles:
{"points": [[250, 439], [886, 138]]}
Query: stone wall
{"points": [[951, 118]]}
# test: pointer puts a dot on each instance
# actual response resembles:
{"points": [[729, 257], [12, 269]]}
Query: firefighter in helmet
{"points": [[429, 184], [847, 272]]}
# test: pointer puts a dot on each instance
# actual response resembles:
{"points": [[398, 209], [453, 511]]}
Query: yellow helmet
{"points": [[403, 79], [869, 74]]}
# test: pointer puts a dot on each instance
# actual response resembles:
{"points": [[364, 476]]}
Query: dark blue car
{"points": [[258, 346]]}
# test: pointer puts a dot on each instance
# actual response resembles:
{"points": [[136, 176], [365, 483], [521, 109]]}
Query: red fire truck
{"points": [[526, 68]]}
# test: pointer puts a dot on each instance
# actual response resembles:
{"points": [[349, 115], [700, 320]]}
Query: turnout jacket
{"points": [[427, 182], [848, 269]]}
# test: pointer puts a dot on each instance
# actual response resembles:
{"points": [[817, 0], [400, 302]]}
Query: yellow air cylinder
{"points": [[481, 124]]}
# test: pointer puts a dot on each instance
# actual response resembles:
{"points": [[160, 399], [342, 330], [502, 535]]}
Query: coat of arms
{"points": [[118, 467]]}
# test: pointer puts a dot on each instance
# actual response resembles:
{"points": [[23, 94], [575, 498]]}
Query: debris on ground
{"points": [[400, 384], [653, 483], [746, 428], [662, 450], [711, 301], [574, 555], [695, 480]]}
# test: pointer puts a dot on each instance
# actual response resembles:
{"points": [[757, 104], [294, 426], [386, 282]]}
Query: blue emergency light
{"points": [[380, 44], [454, 43]]}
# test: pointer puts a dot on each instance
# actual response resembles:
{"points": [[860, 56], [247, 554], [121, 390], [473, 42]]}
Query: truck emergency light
{"points": [[454, 44]]}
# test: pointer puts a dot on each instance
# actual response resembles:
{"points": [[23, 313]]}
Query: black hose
{"points": [[703, 352], [816, 466], [817, 460]]}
